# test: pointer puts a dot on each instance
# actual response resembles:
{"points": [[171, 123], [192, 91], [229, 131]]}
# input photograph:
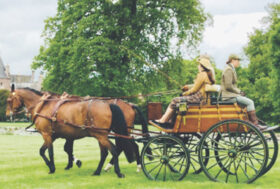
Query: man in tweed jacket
{"points": [[231, 93]]}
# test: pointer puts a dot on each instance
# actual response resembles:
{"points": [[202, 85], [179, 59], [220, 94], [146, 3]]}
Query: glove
{"points": [[185, 88], [243, 93]]}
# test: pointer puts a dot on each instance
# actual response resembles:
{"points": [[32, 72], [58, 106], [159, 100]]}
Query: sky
{"points": [[22, 23]]}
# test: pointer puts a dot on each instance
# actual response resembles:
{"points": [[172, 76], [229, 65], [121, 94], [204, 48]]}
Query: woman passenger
{"points": [[196, 94]]}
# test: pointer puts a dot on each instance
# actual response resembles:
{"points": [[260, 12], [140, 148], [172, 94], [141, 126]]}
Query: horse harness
{"points": [[53, 118], [60, 101]]}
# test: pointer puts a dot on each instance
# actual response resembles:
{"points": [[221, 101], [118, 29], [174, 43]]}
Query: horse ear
{"points": [[13, 88]]}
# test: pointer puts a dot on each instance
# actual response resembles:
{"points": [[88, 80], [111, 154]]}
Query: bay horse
{"points": [[74, 119], [129, 110]]}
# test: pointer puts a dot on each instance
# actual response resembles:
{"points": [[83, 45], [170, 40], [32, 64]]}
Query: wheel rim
{"points": [[235, 155], [169, 159], [272, 143]]}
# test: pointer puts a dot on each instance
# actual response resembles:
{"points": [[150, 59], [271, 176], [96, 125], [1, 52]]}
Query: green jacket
{"points": [[229, 83]]}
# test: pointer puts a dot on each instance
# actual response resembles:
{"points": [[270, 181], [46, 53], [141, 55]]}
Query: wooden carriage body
{"points": [[199, 118]]}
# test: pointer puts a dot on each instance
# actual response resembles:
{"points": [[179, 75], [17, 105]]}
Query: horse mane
{"points": [[33, 90]]}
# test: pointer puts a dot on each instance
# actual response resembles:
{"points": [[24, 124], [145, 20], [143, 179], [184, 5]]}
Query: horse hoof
{"points": [[67, 168], [79, 163], [96, 174], [51, 172], [120, 175]]}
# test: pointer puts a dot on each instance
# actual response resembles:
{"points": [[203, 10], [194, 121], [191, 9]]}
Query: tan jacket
{"points": [[199, 84], [229, 83]]}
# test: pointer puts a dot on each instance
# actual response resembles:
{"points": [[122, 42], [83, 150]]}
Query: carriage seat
{"points": [[212, 94]]}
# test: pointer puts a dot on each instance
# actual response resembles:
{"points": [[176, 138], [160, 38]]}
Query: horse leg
{"points": [[118, 150], [138, 161], [114, 153], [108, 145], [48, 145], [68, 148], [104, 153], [111, 163]]}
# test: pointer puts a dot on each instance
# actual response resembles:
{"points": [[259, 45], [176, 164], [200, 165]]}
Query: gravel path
{"points": [[17, 131]]}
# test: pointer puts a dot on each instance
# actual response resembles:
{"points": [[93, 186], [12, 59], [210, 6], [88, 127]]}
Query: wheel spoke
{"points": [[155, 167], [221, 169]]}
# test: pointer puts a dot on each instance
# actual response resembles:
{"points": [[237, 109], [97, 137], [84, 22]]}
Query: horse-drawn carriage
{"points": [[215, 137]]}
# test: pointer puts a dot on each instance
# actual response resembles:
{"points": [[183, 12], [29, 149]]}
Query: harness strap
{"points": [[89, 118], [57, 106], [72, 124]]}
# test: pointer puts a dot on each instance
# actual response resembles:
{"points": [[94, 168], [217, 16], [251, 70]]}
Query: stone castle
{"points": [[20, 81]]}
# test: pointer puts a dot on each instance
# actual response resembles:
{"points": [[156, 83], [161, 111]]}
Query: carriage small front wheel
{"points": [[165, 158], [238, 152]]}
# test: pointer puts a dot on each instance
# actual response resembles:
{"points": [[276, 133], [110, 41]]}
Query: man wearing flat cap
{"points": [[231, 93]]}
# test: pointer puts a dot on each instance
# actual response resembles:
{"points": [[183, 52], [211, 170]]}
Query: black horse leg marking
{"points": [[118, 151], [138, 159], [42, 153], [52, 166], [116, 160], [104, 153], [68, 148]]}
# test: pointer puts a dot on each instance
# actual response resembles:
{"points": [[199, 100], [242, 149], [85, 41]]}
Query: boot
{"points": [[253, 118]]}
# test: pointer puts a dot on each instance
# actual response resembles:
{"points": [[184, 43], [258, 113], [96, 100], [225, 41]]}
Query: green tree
{"points": [[261, 79], [3, 103], [102, 47]]}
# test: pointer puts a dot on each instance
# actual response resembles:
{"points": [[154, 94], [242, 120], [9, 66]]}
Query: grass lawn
{"points": [[22, 167]]}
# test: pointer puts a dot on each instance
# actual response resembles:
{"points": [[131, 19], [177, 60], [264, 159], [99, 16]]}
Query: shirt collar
{"points": [[232, 66]]}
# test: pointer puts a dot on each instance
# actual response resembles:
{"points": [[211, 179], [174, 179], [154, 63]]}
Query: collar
{"points": [[232, 66]]}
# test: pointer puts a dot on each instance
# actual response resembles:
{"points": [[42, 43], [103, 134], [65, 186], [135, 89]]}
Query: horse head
{"points": [[14, 102]]}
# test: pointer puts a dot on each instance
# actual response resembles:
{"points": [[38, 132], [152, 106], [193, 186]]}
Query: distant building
{"points": [[20, 81]]}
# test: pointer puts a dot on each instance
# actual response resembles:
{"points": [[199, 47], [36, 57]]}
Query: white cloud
{"points": [[21, 25], [216, 7], [229, 34]]}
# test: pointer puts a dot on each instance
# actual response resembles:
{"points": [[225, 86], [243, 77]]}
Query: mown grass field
{"points": [[22, 167]]}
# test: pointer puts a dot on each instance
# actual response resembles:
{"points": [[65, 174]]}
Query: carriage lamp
{"points": [[182, 108]]}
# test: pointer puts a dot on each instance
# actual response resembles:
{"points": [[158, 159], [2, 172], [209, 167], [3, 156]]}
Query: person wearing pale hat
{"points": [[193, 95], [231, 93]]}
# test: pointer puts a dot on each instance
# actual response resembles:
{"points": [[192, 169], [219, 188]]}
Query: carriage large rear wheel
{"points": [[238, 152], [272, 143], [170, 160]]}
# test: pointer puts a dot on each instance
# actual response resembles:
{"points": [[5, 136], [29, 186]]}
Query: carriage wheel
{"points": [[191, 143], [170, 160], [272, 142], [239, 155]]}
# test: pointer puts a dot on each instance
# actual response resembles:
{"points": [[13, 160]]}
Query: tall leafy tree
{"points": [[274, 39], [261, 79], [111, 47]]}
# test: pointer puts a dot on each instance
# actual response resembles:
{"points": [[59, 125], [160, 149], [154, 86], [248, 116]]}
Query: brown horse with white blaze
{"points": [[74, 120]]}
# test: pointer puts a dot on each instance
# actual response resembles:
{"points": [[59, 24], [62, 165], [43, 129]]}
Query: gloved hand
{"points": [[243, 93], [185, 88]]}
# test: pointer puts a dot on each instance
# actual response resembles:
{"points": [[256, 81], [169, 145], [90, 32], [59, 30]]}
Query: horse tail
{"points": [[119, 126], [143, 120], [144, 124]]}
